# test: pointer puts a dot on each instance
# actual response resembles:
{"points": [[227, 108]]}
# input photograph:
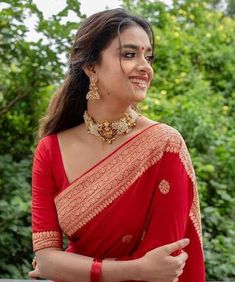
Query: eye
{"points": [[149, 58], [128, 55]]}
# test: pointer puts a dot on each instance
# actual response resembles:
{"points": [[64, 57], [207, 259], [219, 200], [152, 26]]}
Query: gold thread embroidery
{"points": [[46, 239], [164, 186], [97, 189], [126, 239], [195, 214]]}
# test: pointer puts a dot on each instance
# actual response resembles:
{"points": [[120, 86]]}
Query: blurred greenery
{"points": [[193, 91]]}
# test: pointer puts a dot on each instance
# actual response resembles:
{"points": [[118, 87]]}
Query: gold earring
{"points": [[93, 93]]}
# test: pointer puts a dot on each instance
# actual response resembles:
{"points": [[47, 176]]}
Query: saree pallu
{"points": [[141, 196]]}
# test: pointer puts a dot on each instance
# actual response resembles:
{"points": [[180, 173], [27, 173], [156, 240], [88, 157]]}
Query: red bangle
{"points": [[95, 273]]}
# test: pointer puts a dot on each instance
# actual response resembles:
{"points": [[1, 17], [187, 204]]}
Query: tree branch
{"points": [[12, 103]]}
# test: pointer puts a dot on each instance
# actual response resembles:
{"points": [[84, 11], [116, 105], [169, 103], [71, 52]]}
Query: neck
{"points": [[100, 111], [109, 130]]}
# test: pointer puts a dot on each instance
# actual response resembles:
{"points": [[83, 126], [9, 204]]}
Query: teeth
{"points": [[138, 81]]}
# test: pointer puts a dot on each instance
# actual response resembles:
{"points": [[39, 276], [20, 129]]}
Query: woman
{"points": [[120, 187]]}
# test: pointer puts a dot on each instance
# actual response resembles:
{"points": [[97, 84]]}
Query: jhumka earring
{"points": [[93, 93]]}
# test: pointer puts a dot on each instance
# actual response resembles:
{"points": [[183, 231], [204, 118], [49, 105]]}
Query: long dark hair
{"points": [[67, 106]]}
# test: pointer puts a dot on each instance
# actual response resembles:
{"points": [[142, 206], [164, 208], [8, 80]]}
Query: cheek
{"points": [[115, 76], [110, 79], [151, 75], [127, 67], [113, 71]]}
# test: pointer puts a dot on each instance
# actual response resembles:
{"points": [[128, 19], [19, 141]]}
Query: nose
{"points": [[144, 66]]}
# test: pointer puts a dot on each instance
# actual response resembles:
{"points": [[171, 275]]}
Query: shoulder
{"points": [[167, 137], [46, 146], [45, 153], [164, 135], [167, 133], [49, 139]]}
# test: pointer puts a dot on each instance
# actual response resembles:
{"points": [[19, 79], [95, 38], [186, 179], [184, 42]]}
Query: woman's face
{"points": [[126, 79]]}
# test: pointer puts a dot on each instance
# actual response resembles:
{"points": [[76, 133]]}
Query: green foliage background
{"points": [[193, 91]]}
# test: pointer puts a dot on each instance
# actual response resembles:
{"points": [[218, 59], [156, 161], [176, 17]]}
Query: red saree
{"points": [[147, 187]]}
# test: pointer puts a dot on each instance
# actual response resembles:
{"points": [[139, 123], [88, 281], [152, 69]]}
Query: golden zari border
{"points": [[97, 189], [46, 239], [195, 208]]}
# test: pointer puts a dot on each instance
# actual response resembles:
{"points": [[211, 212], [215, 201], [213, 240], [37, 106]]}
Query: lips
{"points": [[139, 81]]}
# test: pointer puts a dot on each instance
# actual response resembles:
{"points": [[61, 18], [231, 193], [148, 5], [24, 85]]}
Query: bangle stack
{"points": [[95, 274]]}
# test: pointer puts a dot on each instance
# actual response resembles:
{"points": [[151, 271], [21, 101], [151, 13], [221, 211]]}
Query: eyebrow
{"points": [[133, 46]]}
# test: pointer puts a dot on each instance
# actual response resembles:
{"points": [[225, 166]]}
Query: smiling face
{"points": [[124, 75]]}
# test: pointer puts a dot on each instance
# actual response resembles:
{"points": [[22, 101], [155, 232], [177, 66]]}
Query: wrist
{"points": [[133, 270], [124, 270], [138, 270]]}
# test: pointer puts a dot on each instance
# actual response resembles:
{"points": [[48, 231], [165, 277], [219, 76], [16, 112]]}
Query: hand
{"points": [[34, 274], [159, 266]]}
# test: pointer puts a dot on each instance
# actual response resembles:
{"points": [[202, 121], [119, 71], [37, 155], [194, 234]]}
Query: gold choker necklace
{"points": [[108, 131]]}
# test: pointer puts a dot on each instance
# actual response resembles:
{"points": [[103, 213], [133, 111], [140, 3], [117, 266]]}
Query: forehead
{"points": [[135, 35]]}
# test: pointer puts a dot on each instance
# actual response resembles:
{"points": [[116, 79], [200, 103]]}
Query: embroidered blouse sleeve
{"points": [[45, 226]]}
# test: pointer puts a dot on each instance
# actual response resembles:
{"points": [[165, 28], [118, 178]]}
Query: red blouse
{"points": [[147, 186]]}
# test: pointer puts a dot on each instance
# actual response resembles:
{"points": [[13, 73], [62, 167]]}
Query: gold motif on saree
{"points": [[164, 186], [46, 239], [126, 239], [91, 193]]}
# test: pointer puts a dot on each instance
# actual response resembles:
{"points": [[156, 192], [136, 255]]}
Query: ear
{"points": [[89, 70]]}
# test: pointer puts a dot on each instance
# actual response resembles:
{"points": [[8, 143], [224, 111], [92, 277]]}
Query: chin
{"points": [[139, 98]]}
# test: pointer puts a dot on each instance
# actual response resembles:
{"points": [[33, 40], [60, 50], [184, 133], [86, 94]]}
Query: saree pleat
{"points": [[140, 197]]}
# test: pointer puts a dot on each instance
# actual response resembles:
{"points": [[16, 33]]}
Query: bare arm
{"points": [[54, 264], [156, 266]]}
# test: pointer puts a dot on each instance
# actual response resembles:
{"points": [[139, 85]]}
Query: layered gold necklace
{"points": [[108, 131]]}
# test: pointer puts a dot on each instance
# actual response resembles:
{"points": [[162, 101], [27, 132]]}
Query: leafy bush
{"points": [[30, 73], [15, 239]]}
